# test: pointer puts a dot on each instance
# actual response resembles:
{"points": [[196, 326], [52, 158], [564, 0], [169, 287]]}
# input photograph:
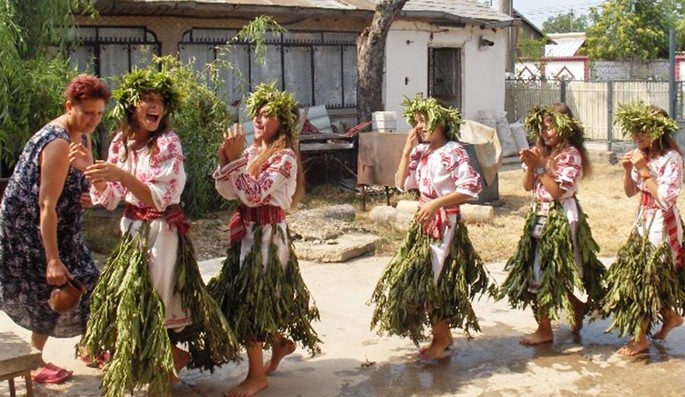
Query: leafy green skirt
{"points": [[407, 297], [260, 299], [559, 274], [127, 319], [640, 284]]}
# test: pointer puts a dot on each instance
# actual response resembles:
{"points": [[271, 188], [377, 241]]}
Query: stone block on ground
{"points": [[321, 224], [392, 217], [341, 249]]}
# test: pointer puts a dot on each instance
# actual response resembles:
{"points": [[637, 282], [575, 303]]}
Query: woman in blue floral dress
{"points": [[40, 222]]}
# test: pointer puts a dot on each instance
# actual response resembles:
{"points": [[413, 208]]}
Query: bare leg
{"points": [[636, 345], [38, 341], [542, 335], [281, 347], [579, 310], [671, 320], [181, 359], [440, 342], [256, 378]]}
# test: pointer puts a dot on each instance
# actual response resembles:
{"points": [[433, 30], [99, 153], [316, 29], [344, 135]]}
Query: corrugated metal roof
{"points": [[567, 44]]}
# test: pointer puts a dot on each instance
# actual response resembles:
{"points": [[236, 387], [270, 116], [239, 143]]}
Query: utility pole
{"points": [[571, 20], [506, 7]]}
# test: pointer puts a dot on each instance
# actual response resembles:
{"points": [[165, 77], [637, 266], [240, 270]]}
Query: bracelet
{"points": [[645, 176]]}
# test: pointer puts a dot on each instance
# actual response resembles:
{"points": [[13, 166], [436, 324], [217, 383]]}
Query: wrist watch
{"points": [[539, 171]]}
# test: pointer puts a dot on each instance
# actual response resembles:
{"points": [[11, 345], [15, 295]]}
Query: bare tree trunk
{"points": [[371, 58]]}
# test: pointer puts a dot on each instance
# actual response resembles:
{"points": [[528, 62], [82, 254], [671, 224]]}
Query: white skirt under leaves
{"points": [[127, 319], [408, 300], [260, 299], [640, 284], [559, 273]]}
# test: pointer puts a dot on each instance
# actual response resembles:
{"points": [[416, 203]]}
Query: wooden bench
{"points": [[17, 358]]}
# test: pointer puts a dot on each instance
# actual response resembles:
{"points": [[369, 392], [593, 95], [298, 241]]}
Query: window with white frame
{"points": [[112, 51], [320, 68]]}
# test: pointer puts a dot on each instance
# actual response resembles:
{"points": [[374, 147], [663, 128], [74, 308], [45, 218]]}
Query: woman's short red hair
{"points": [[84, 87]]}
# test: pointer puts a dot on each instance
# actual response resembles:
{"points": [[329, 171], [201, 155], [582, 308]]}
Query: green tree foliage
{"points": [[630, 29], [530, 49], [564, 23], [32, 80]]}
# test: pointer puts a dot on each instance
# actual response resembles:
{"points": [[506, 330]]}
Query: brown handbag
{"points": [[65, 298]]}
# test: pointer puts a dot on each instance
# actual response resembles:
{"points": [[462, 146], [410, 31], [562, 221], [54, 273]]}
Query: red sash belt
{"points": [[434, 226], [173, 215], [262, 215], [671, 225]]}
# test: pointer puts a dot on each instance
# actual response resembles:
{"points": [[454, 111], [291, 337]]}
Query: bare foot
{"points": [[579, 310], [634, 348], [280, 350], [539, 337], [450, 342], [249, 387], [436, 349], [670, 321]]}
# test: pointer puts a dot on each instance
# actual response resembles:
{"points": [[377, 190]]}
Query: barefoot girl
{"points": [[643, 283], [436, 274], [150, 295], [260, 288], [556, 253]]}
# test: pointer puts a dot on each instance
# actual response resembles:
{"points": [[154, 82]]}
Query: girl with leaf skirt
{"points": [[556, 254], [259, 288], [643, 285], [436, 274], [150, 295]]}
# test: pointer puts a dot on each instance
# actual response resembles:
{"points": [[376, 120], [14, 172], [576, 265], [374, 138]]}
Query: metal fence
{"points": [[592, 102]]}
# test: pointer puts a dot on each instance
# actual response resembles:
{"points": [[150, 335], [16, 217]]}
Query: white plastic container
{"points": [[384, 121]]}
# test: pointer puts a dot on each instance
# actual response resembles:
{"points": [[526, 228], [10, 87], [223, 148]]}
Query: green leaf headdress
{"points": [[566, 126], [282, 104], [639, 117], [435, 113], [136, 84]]}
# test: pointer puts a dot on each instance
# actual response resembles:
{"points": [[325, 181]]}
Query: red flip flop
{"points": [[50, 373]]}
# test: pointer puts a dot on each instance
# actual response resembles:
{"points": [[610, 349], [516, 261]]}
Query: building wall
{"points": [[169, 30], [407, 65]]}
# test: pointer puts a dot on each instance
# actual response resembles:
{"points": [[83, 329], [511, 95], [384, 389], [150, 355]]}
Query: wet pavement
{"points": [[357, 362]]}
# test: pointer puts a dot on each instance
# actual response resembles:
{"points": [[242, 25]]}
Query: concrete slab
{"points": [[358, 362], [340, 249]]}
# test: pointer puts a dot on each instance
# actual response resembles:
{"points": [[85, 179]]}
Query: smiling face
{"points": [[149, 111], [642, 141], [266, 126], [85, 115], [549, 132], [422, 129]]}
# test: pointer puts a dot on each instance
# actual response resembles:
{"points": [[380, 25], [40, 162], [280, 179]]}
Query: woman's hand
{"points": [[531, 158], [80, 157], [233, 145], [427, 211], [412, 140], [626, 161], [638, 160], [56, 273], [103, 171]]}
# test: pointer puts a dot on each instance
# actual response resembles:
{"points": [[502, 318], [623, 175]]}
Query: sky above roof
{"points": [[538, 11]]}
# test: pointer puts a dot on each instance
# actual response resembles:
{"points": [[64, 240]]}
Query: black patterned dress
{"points": [[24, 291]]}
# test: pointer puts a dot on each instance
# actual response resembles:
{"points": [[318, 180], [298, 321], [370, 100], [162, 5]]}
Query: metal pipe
{"points": [[671, 75]]}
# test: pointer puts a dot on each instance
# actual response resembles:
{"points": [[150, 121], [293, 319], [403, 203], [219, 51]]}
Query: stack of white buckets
{"points": [[384, 121]]}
